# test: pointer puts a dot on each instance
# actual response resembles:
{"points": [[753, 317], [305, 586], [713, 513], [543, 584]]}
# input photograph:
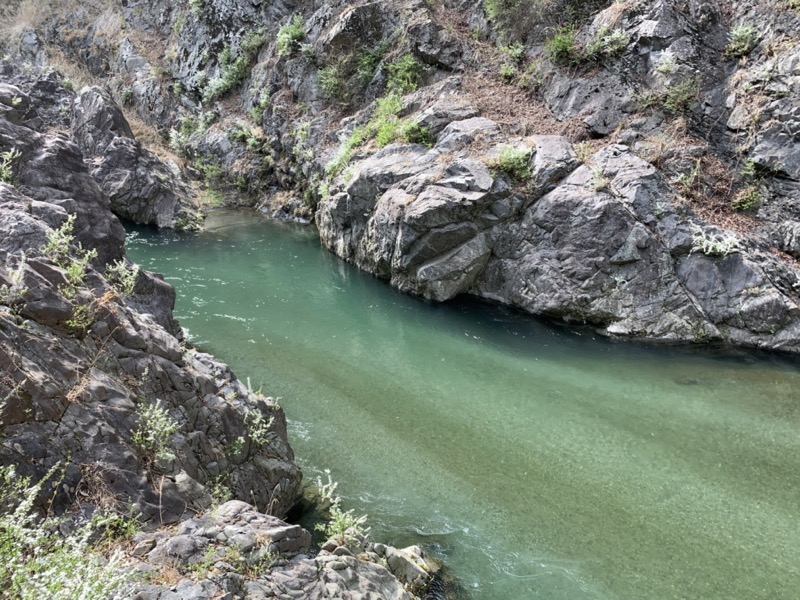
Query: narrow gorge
{"points": [[523, 274]]}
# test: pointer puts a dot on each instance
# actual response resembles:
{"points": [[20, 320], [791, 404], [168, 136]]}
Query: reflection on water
{"points": [[538, 461]]}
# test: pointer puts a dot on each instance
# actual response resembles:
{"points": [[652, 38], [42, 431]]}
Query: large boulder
{"points": [[141, 187]]}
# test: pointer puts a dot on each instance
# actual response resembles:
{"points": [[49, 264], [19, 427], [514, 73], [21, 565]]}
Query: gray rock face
{"points": [[82, 365], [238, 551], [598, 244], [141, 188]]}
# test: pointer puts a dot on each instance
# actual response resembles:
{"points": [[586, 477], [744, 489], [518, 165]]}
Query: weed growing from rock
{"points": [[681, 95], [405, 75], [713, 244], [233, 73], [122, 278], [368, 62], [37, 561], [15, 289], [513, 162], [343, 527], [290, 36], [741, 41], [6, 163], [562, 48], [156, 427], [747, 199]]}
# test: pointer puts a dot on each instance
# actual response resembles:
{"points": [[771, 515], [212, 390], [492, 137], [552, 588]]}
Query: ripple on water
{"points": [[537, 461]]}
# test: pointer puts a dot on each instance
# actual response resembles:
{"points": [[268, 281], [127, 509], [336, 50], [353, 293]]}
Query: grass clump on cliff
{"points": [[7, 160], [405, 75], [156, 428], [290, 36], [233, 73], [513, 162], [741, 41], [343, 526], [522, 19], [37, 561]]}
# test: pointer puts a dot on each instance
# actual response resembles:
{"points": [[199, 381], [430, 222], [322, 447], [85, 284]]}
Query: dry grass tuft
{"points": [[76, 73], [109, 24], [29, 14], [93, 489]]}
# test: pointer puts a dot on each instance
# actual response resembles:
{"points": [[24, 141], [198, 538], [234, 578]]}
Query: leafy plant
{"points": [[258, 427], [290, 35], [6, 163], [37, 561], [405, 74], [10, 294], [507, 73], [196, 7], [344, 527], [233, 73], [156, 427], [605, 44], [667, 65], [741, 41], [562, 48], [331, 83], [679, 97], [515, 52], [747, 198], [514, 162], [122, 278], [712, 244], [368, 62]]}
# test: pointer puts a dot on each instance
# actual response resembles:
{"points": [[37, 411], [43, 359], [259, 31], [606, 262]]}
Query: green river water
{"points": [[537, 461]]}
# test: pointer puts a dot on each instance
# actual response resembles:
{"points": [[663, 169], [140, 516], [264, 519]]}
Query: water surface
{"points": [[538, 461]]}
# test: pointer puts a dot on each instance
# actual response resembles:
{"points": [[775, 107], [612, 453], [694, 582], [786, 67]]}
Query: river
{"points": [[538, 461]]}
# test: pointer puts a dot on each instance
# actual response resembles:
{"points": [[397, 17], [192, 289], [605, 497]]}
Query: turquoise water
{"points": [[537, 461]]}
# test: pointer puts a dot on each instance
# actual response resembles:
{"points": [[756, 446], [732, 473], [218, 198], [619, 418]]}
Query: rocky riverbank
{"points": [[631, 165], [97, 383]]}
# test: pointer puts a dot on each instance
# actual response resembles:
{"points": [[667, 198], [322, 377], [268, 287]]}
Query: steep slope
{"points": [[629, 165]]}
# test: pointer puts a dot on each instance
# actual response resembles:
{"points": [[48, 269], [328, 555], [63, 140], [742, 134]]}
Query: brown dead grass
{"points": [[514, 110], [22, 16], [93, 489]]}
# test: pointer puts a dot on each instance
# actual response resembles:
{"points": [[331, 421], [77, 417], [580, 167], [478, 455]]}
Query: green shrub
{"points": [[520, 19], [37, 561], [155, 429], [562, 47], [413, 133], [712, 244], [196, 7], [290, 36], [405, 74], [515, 52], [741, 41], [508, 73], [122, 278], [514, 162], [6, 165], [680, 96], [747, 199], [342, 526], [331, 84], [233, 73], [368, 62]]}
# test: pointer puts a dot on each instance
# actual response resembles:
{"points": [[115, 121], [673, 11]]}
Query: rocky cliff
{"points": [[632, 165], [97, 386]]}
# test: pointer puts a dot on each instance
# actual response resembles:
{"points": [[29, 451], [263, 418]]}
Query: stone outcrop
{"points": [[98, 389], [141, 187], [639, 239], [82, 361], [236, 551]]}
